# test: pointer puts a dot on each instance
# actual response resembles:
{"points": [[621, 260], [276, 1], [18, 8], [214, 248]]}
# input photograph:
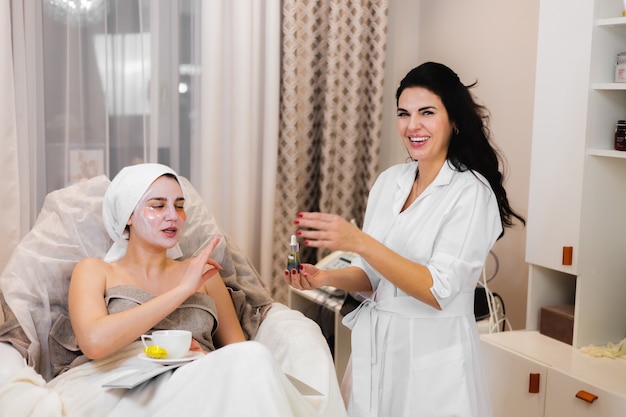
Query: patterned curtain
{"points": [[330, 114]]}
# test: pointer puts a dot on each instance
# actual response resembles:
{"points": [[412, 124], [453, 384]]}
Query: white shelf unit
{"points": [[609, 153], [561, 374], [611, 21], [577, 200], [578, 181]]}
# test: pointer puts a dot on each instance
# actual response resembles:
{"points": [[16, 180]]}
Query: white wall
{"points": [[492, 42]]}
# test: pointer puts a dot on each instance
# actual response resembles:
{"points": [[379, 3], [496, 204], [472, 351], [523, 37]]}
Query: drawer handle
{"points": [[586, 396], [533, 383], [568, 254]]}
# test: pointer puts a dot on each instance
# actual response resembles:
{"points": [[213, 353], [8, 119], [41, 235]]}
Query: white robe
{"points": [[409, 359]]}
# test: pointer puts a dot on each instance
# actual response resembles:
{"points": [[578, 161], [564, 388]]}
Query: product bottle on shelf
{"points": [[620, 135], [620, 68]]}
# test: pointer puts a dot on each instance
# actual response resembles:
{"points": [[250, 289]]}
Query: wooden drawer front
{"points": [[509, 379], [561, 399]]}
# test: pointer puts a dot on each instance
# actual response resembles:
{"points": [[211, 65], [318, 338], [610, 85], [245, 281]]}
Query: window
{"points": [[121, 85]]}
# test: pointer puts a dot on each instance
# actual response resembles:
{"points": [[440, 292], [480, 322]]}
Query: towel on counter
{"points": [[610, 350], [125, 192]]}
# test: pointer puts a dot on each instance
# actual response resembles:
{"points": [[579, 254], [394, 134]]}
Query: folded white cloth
{"points": [[11, 362], [26, 394], [121, 198], [610, 350]]}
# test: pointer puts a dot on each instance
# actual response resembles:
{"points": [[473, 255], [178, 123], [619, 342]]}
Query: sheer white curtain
{"points": [[99, 88], [122, 84], [19, 120], [9, 186], [240, 103], [113, 78]]}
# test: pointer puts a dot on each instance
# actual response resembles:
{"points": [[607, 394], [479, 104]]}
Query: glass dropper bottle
{"points": [[293, 260]]}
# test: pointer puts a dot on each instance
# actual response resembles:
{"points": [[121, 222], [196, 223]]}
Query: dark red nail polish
{"points": [[296, 222]]}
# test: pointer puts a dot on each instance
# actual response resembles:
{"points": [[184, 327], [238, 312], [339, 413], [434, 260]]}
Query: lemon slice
{"points": [[155, 352]]}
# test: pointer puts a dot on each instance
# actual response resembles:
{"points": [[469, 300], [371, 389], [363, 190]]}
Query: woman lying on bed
{"points": [[138, 288], [144, 213]]}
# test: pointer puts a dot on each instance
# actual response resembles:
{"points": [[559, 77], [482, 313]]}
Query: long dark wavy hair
{"points": [[470, 146]]}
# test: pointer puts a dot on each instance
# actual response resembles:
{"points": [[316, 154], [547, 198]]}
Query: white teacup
{"points": [[175, 342]]}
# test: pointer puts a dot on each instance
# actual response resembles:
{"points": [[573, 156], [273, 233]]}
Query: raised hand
{"points": [[201, 267], [322, 230], [309, 277]]}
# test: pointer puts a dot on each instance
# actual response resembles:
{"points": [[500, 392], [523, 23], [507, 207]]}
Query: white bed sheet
{"points": [[244, 379]]}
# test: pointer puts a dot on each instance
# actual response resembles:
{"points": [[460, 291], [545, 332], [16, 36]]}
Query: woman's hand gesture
{"points": [[309, 277], [201, 267], [331, 231]]}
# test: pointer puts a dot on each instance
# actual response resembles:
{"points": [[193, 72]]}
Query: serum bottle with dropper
{"points": [[293, 260]]}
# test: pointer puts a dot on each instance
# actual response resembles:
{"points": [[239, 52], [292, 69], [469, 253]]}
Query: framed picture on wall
{"points": [[85, 163]]}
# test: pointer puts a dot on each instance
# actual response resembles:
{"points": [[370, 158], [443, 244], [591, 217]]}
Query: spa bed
{"points": [[285, 369]]}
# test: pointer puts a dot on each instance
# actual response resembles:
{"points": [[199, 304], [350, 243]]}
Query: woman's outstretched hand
{"points": [[201, 267], [308, 278], [330, 231], [321, 230]]}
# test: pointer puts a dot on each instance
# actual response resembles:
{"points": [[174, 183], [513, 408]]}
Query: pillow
{"points": [[69, 228]]}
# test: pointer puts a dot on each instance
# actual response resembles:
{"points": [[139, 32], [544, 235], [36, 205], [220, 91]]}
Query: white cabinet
{"points": [[570, 383], [577, 200], [577, 194], [509, 375], [572, 397], [560, 119]]}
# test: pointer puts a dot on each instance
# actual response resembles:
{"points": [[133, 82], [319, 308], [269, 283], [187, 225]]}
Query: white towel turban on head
{"points": [[124, 193]]}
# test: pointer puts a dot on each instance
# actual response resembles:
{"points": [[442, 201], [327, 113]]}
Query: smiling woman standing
{"points": [[428, 228]]}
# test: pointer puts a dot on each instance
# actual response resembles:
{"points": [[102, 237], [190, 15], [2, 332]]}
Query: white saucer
{"points": [[190, 356]]}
